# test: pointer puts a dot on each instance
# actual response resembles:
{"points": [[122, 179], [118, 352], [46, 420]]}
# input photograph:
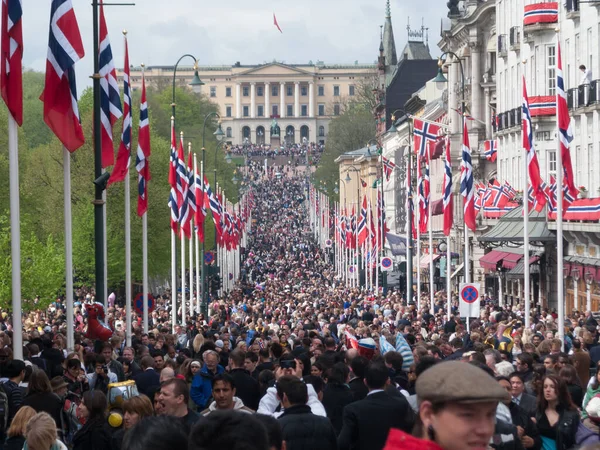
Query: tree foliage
{"points": [[41, 193]]}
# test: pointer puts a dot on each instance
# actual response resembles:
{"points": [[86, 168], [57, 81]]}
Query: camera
{"points": [[105, 369], [288, 364]]}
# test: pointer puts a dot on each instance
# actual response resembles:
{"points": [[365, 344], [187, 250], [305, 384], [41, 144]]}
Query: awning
{"points": [[510, 229], [424, 261], [510, 261], [508, 256], [491, 259], [583, 264], [519, 270], [457, 271]]}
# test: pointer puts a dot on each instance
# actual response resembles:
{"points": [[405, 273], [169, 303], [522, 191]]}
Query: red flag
{"points": [[276, 24], [60, 93], [11, 55], [142, 163], [447, 194]]}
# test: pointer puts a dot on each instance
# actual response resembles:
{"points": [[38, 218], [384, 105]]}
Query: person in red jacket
{"points": [[457, 410]]}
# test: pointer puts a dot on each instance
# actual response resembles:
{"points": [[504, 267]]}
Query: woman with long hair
{"points": [[94, 435], [41, 398], [569, 376], [18, 428], [134, 410], [557, 417]]}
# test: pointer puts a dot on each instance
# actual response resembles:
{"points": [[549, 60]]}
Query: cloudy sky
{"points": [[159, 31]]}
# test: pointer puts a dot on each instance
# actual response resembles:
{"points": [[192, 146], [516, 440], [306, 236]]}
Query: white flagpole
{"points": [[173, 284], [559, 230], [198, 267], [526, 240], [68, 246], [128, 258], [417, 226], [375, 257], [104, 300], [431, 297], [144, 275], [183, 283], [448, 274], [191, 246]]}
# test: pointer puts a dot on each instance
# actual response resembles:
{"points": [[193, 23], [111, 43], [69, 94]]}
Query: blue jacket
{"points": [[201, 390]]}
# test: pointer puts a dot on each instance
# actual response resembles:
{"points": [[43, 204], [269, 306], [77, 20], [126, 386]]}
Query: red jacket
{"points": [[399, 440]]}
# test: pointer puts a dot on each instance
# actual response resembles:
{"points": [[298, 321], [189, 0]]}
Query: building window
{"points": [[552, 162], [321, 91], [351, 90], [228, 132], [246, 111], [304, 110], [290, 110], [551, 58], [228, 111], [321, 131], [245, 91], [303, 91], [227, 92], [259, 91], [275, 110], [213, 91], [336, 91], [261, 111], [290, 90], [321, 110], [336, 110], [274, 91]]}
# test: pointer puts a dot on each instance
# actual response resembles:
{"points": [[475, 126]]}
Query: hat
{"points": [[455, 381], [57, 383], [195, 363], [219, 343]]}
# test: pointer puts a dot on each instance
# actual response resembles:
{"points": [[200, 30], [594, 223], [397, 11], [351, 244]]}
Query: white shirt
{"points": [[586, 78]]}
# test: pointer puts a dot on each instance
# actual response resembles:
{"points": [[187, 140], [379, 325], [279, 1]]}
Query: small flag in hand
{"points": [[275, 23]]}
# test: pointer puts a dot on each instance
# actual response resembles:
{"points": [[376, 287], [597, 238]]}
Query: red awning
{"points": [[534, 259], [489, 260], [510, 261]]}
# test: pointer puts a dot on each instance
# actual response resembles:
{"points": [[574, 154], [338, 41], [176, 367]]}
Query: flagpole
{"points": [[559, 228], [418, 227], [191, 240], [183, 283], [526, 233], [104, 300], [448, 280], [199, 287], [68, 246], [173, 284], [431, 297], [128, 258], [144, 275]]}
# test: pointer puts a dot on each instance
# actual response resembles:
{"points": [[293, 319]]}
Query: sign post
{"points": [[469, 301], [386, 264]]}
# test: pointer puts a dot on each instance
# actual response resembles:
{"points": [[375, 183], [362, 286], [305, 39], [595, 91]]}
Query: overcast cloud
{"points": [[226, 31]]}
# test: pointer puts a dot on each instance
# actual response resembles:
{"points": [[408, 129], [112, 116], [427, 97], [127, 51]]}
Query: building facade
{"points": [[273, 103]]}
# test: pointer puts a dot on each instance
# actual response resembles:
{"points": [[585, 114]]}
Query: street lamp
{"points": [[196, 81], [219, 135], [589, 279]]}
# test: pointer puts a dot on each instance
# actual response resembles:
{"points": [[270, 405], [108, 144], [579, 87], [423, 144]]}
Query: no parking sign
{"points": [[387, 264], [469, 300]]}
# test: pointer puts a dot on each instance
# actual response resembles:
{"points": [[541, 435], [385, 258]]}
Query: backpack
{"points": [[3, 407]]}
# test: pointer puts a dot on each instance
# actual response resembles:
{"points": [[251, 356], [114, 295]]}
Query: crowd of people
{"points": [[301, 152], [292, 358]]}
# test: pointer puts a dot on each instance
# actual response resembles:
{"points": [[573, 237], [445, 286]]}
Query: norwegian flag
{"points": [[362, 223], [173, 177], [510, 191], [466, 182], [142, 163], [11, 58], [182, 186], [353, 227], [533, 166], [349, 240], [212, 201], [200, 211], [410, 206], [424, 133], [490, 150], [565, 132], [500, 198], [190, 198], [533, 200], [568, 199], [447, 194], [388, 167], [424, 192], [363, 183], [541, 13], [110, 101], [65, 48], [372, 231], [121, 169], [480, 191]]}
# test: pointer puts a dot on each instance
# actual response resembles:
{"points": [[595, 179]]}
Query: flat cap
{"points": [[460, 382]]}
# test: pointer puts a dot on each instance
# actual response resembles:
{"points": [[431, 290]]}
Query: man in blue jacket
{"points": [[201, 390]]}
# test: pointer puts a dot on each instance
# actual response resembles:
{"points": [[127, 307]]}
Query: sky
{"points": [[221, 33]]}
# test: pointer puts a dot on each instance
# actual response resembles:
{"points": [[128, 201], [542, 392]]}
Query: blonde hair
{"points": [[198, 342], [18, 426], [41, 432]]}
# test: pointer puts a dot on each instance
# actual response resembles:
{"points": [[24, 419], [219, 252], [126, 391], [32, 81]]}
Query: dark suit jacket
{"points": [[147, 382], [528, 404], [366, 423]]}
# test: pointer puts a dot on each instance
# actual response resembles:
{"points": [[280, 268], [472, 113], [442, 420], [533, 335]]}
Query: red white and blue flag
{"points": [[510, 191], [424, 133], [565, 132], [110, 101], [121, 169], [173, 195], [190, 198], [142, 160], [447, 194], [11, 58], [424, 192], [541, 13], [467, 189], [533, 166], [65, 48], [200, 212], [491, 150], [388, 167], [182, 186], [362, 223]]}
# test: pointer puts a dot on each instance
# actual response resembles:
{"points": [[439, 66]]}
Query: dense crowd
{"points": [[292, 358]]}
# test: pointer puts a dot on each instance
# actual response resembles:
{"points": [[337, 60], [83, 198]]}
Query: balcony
{"points": [[515, 38], [502, 47], [585, 95], [542, 105], [540, 17], [508, 119], [572, 7]]}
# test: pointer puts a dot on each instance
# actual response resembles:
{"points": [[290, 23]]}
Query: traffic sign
{"points": [[209, 257], [138, 303], [351, 269], [328, 243], [386, 263], [469, 299]]}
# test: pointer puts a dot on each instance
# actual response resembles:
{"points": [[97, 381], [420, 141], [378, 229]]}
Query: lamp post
{"points": [[576, 277], [219, 135], [409, 241], [589, 279]]}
